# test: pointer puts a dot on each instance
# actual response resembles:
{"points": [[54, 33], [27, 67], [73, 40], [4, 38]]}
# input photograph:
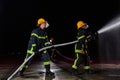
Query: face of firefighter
{"points": [[44, 25], [86, 26]]}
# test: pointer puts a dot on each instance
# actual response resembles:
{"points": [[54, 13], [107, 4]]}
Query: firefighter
{"points": [[81, 49], [38, 39]]}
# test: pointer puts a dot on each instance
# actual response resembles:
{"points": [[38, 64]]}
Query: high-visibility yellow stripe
{"points": [[46, 43], [86, 67], [39, 37], [33, 45], [25, 66], [30, 52], [45, 51], [75, 62], [78, 50], [86, 40], [46, 63], [80, 37]]}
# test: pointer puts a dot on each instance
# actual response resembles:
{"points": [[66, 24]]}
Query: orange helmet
{"points": [[80, 24], [40, 21]]}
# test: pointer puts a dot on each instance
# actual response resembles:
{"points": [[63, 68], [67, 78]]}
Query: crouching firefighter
{"points": [[38, 39], [81, 49]]}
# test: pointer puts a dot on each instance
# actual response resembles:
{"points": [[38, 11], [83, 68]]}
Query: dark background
{"points": [[19, 17]]}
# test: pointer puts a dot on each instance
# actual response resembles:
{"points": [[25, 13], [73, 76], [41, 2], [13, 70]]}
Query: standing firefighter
{"points": [[81, 50], [38, 39]]}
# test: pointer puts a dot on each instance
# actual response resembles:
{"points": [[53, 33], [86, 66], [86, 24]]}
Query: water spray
{"points": [[109, 44], [114, 24]]}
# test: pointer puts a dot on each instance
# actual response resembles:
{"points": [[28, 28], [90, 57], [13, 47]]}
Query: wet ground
{"points": [[62, 70]]}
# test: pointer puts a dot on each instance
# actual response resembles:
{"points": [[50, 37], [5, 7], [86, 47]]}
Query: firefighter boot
{"points": [[48, 72], [20, 73], [75, 72], [88, 71]]}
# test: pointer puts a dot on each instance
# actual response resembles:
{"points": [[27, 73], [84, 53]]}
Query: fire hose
{"points": [[60, 54], [48, 47]]}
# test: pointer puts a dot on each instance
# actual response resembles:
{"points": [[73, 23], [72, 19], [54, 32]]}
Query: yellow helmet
{"points": [[80, 24], [40, 21]]}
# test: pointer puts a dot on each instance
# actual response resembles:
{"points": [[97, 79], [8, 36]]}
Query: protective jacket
{"points": [[38, 39], [81, 41]]}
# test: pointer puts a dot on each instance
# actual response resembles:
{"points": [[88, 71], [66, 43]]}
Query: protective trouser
{"points": [[78, 60], [27, 63], [86, 60], [80, 56], [86, 56], [46, 59], [46, 62]]}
